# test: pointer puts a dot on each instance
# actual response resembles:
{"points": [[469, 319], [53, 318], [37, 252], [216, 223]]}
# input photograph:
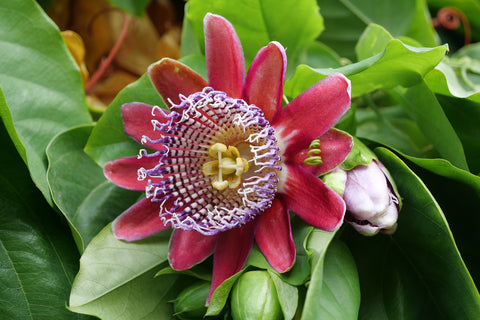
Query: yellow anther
{"points": [[216, 148], [229, 166], [220, 185]]}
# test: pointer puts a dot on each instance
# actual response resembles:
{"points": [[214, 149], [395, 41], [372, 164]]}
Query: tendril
{"points": [[450, 18]]}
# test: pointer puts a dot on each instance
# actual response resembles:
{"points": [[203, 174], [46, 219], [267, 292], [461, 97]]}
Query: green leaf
{"points": [[457, 192], [295, 24], [88, 200], [220, 295], [464, 114], [287, 296], [372, 41], [108, 140], [422, 105], [337, 296], [41, 82], [418, 272], [117, 279], [398, 64], [135, 7], [421, 28], [345, 20], [392, 127], [38, 258]]}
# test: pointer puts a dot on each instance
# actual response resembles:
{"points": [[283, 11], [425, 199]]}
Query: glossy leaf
{"points": [[418, 272], [457, 192], [38, 257], [421, 104], [398, 64], [337, 296], [287, 296], [86, 198], [41, 84], [117, 279], [263, 24], [349, 18]]}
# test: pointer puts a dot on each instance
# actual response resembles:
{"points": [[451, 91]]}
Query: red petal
{"points": [[312, 113], [172, 78], [274, 237], [224, 56], [335, 146], [123, 171], [188, 248], [264, 83], [231, 252], [139, 221], [137, 120], [310, 199]]}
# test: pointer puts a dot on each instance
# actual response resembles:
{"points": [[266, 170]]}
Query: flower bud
{"points": [[371, 199], [190, 303], [254, 297]]}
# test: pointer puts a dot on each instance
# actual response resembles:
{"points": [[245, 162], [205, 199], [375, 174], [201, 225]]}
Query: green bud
{"points": [[190, 303], [254, 297]]}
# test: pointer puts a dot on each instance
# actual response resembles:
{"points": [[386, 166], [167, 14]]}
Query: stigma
{"points": [[228, 166]]}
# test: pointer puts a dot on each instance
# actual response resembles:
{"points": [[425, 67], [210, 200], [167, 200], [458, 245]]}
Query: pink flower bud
{"points": [[371, 199]]}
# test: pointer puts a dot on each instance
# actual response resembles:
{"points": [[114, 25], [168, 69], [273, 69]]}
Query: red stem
{"points": [[111, 55]]}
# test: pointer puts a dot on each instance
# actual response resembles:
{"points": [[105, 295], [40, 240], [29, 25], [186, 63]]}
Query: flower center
{"points": [[228, 167], [218, 163]]}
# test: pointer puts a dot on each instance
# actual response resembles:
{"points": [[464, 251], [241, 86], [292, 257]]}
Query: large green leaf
{"points": [[458, 193], [38, 258], [345, 20], [391, 126], [295, 24], [418, 272], [398, 64], [41, 83], [334, 292], [422, 105], [88, 200], [117, 279], [464, 115]]}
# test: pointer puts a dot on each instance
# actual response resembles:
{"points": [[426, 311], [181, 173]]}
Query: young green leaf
{"points": [[397, 65], [117, 279], [337, 296]]}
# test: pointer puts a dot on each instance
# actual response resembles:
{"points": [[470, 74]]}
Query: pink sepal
{"points": [[224, 56], [335, 145], [231, 252], [124, 171], [310, 199], [312, 113], [172, 78], [187, 248], [264, 83], [274, 237], [139, 221], [137, 121]]}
